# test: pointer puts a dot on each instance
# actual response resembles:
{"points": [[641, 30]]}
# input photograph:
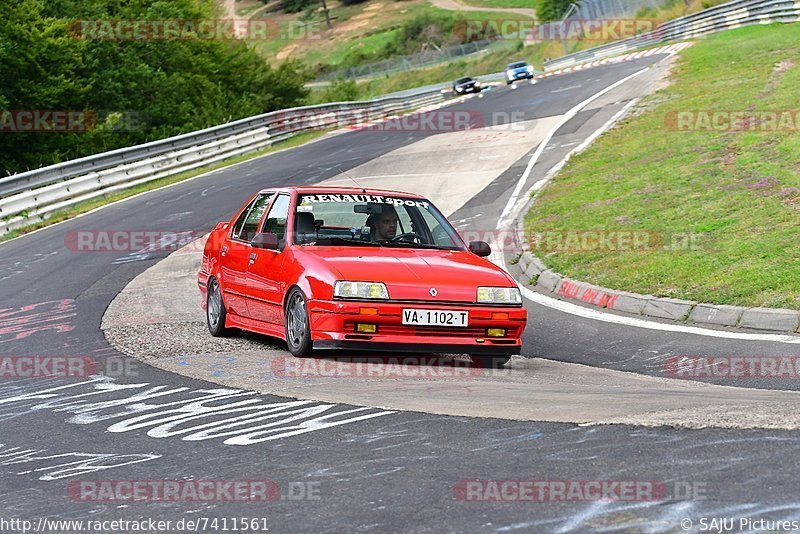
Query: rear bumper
{"points": [[333, 327]]}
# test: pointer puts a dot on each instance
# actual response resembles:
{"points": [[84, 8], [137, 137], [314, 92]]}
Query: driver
{"points": [[385, 223]]}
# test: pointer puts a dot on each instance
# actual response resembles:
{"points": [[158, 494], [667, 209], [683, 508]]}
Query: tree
{"points": [[548, 10]]}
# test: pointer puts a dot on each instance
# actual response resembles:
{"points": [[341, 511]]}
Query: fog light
{"points": [[366, 328], [496, 332]]}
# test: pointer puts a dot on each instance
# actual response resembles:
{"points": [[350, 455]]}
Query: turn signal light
{"points": [[368, 311], [496, 332], [366, 328], [499, 316]]}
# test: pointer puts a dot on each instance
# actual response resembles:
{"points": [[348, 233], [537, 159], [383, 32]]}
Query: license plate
{"points": [[458, 319]]}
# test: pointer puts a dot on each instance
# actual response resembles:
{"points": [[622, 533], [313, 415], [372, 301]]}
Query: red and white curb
{"points": [[669, 49]]}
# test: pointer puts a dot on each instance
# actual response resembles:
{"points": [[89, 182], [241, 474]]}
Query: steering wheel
{"points": [[409, 237]]}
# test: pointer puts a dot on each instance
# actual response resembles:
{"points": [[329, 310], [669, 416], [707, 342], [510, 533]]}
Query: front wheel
{"points": [[490, 362], [298, 330], [216, 312]]}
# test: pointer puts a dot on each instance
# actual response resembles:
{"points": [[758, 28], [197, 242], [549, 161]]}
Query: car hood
{"points": [[409, 274]]}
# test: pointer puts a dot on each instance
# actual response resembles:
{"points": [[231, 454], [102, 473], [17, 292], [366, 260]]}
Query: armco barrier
{"points": [[31, 196], [728, 16]]}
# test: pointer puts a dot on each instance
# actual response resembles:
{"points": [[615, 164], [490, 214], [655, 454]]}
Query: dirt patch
{"points": [[355, 23], [598, 203], [664, 80], [286, 51], [780, 68]]}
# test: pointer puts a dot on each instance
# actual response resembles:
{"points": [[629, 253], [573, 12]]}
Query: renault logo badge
{"points": [[433, 292]]}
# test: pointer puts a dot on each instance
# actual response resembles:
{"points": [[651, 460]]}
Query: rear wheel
{"points": [[215, 311], [298, 330], [490, 362]]}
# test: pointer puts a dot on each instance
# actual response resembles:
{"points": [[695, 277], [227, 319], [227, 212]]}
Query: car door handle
{"points": [[253, 258], [224, 251]]}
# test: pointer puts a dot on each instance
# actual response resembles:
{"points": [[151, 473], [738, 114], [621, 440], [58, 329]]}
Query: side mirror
{"points": [[266, 240], [480, 248]]}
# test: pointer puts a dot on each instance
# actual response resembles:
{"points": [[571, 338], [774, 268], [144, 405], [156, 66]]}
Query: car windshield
{"points": [[518, 65], [332, 219], [464, 80]]}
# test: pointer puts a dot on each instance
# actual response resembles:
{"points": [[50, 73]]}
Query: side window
{"points": [[276, 220], [246, 224]]}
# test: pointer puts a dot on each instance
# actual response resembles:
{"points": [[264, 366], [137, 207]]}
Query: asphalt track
{"points": [[390, 471]]}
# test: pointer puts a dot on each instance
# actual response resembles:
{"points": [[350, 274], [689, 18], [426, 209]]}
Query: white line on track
{"points": [[569, 115], [588, 313], [512, 209]]}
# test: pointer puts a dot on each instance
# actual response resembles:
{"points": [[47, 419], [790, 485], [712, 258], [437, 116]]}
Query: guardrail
{"points": [[728, 16], [31, 196]]}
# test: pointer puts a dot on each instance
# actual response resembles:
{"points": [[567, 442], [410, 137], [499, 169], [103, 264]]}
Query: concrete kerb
{"points": [[531, 272], [534, 274]]}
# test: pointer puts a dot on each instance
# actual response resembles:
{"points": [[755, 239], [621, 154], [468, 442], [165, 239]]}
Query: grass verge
{"points": [[736, 192], [89, 205]]}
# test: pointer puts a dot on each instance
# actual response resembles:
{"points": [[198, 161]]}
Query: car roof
{"points": [[316, 190]]}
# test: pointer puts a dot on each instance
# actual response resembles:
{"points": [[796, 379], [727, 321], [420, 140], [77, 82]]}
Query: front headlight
{"points": [[530, 68], [360, 290], [499, 295], [477, 84], [510, 73]]}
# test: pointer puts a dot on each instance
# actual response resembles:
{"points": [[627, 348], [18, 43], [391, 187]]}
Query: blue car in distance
{"points": [[519, 71]]}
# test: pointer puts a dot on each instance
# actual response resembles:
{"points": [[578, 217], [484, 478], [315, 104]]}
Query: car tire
{"points": [[298, 329], [216, 312], [490, 362]]}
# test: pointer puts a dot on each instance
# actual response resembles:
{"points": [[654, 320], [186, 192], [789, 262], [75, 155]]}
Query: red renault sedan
{"points": [[358, 269]]}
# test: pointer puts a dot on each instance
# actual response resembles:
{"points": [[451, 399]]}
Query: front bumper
{"points": [[520, 76], [333, 327]]}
